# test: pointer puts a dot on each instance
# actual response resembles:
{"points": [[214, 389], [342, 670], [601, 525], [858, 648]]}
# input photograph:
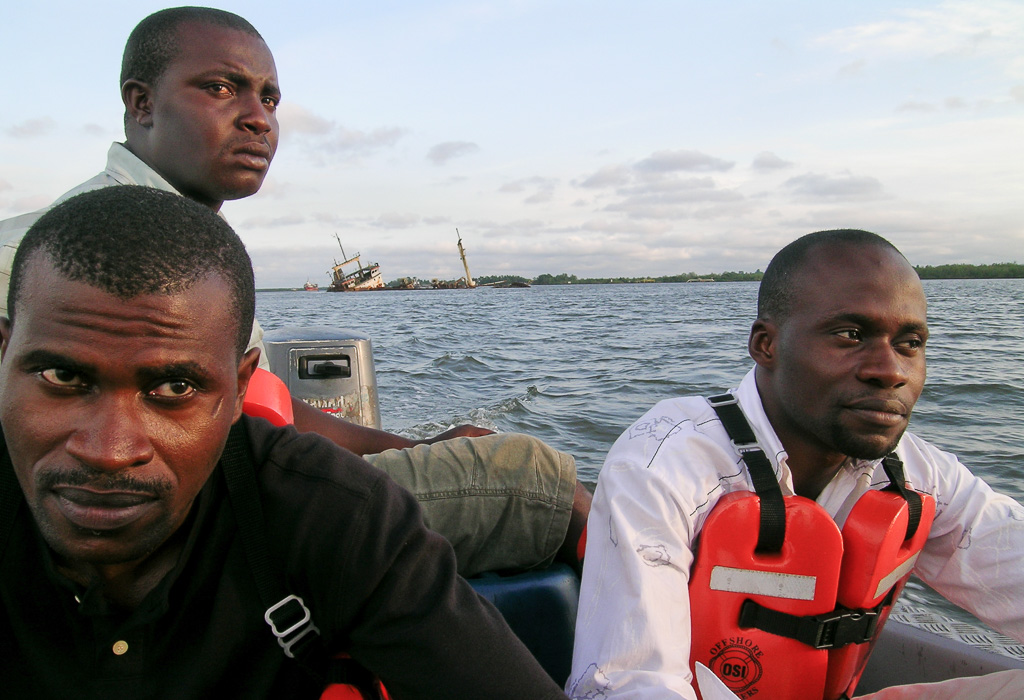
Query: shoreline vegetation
{"points": [[926, 272], [1007, 270]]}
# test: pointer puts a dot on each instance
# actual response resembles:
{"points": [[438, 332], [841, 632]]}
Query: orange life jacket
{"points": [[268, 397], [782, 603]]}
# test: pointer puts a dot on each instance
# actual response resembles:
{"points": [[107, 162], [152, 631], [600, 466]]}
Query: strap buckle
{"points": [[721, 400], [741, 446], [292, 614], [838, 629], [827, 631]]}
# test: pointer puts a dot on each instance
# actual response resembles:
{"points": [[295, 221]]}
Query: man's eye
{"points": [[174, 389], [850, 334], [271, 102], [62, 377], [219, 89]]}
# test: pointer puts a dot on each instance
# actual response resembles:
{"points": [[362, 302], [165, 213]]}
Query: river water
{"points": [[575, 365]]}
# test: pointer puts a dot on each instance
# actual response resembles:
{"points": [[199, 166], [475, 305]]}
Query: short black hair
{"points": [[153, 44], [775, 295], [130, 241]]}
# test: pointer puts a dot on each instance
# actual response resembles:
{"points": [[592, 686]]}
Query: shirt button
{"points": [[120, 647]]}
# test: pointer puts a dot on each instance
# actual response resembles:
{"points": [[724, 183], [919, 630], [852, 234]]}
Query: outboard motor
{"points": [[328, 368]]}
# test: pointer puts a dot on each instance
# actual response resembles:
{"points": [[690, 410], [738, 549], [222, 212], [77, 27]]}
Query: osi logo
{"points": [[735, 661]]}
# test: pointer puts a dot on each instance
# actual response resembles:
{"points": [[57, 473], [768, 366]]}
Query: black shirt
{"points": [[350, 542]]}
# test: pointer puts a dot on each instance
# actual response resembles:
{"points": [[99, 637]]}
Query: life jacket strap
{"points": [[772, 532], [11, 495], [831, 630], [289, 619], [893, 467], [346, 672]]}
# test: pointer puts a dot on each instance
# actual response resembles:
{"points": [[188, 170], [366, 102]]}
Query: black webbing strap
{"points": [[830, 630], [772, 531], [287, 615], [898, 482], [10, 495]]}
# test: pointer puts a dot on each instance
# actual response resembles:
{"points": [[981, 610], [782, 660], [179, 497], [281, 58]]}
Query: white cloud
{"points": [[296, 119], [360, 143], [540, 196], [951, 28], [673, 161], [444, 152], [94, 130], [326, 141], [852, 69], [394, 220], [607, 176], [283, 221], [812, 187], [767, 161], [915, 106], [543, 188], [672, 200], [32, 128]]}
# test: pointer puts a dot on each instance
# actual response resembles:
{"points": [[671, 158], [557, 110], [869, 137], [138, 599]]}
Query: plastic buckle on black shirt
{"points": [[291, 614]]}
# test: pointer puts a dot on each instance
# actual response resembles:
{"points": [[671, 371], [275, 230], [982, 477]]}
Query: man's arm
{"points": [[421, 628], [974, 556], [362, 440], [353, 437], [633, 625]]}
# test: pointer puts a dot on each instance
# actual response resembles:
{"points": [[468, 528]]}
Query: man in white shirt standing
{"points": [[839, 352], [200, 91]]}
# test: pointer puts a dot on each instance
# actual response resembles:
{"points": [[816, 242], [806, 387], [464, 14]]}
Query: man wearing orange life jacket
{"points": [[838, 347]]}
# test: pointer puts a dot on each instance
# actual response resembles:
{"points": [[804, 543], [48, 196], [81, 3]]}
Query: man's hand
{"points": [[366, 441], [458, 431]]}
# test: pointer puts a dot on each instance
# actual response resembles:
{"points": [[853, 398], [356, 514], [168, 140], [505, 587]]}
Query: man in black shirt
{"points": [[133, 565], [201, 91]]}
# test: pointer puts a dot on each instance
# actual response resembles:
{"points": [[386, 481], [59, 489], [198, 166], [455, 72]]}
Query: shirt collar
{"points": [[753, 409], [127, 169]]}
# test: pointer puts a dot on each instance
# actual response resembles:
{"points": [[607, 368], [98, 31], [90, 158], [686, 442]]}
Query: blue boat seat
{"points": [[540, 607]]}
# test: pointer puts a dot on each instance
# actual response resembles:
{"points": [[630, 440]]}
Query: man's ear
{"points": [[246, 366], [5, 335], [138, 101], [761, 343]]}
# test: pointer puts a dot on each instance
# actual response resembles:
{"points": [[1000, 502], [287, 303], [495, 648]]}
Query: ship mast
{"points": [[462, 254], [347, 260]]}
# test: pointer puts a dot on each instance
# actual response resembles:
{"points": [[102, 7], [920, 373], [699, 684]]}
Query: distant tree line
{"points": [[961, 271], [566, 278], [491, 279], [955, 271]]}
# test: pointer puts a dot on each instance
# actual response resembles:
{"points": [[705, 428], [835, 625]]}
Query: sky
{"points": [[596, 138]]}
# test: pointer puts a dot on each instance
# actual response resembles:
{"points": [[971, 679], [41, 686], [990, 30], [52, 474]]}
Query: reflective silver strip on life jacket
{"points": [[896, 574], [766, 583]]}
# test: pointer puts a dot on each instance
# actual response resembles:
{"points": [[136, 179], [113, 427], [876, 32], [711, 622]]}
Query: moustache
{"points": [[102, 481]]}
